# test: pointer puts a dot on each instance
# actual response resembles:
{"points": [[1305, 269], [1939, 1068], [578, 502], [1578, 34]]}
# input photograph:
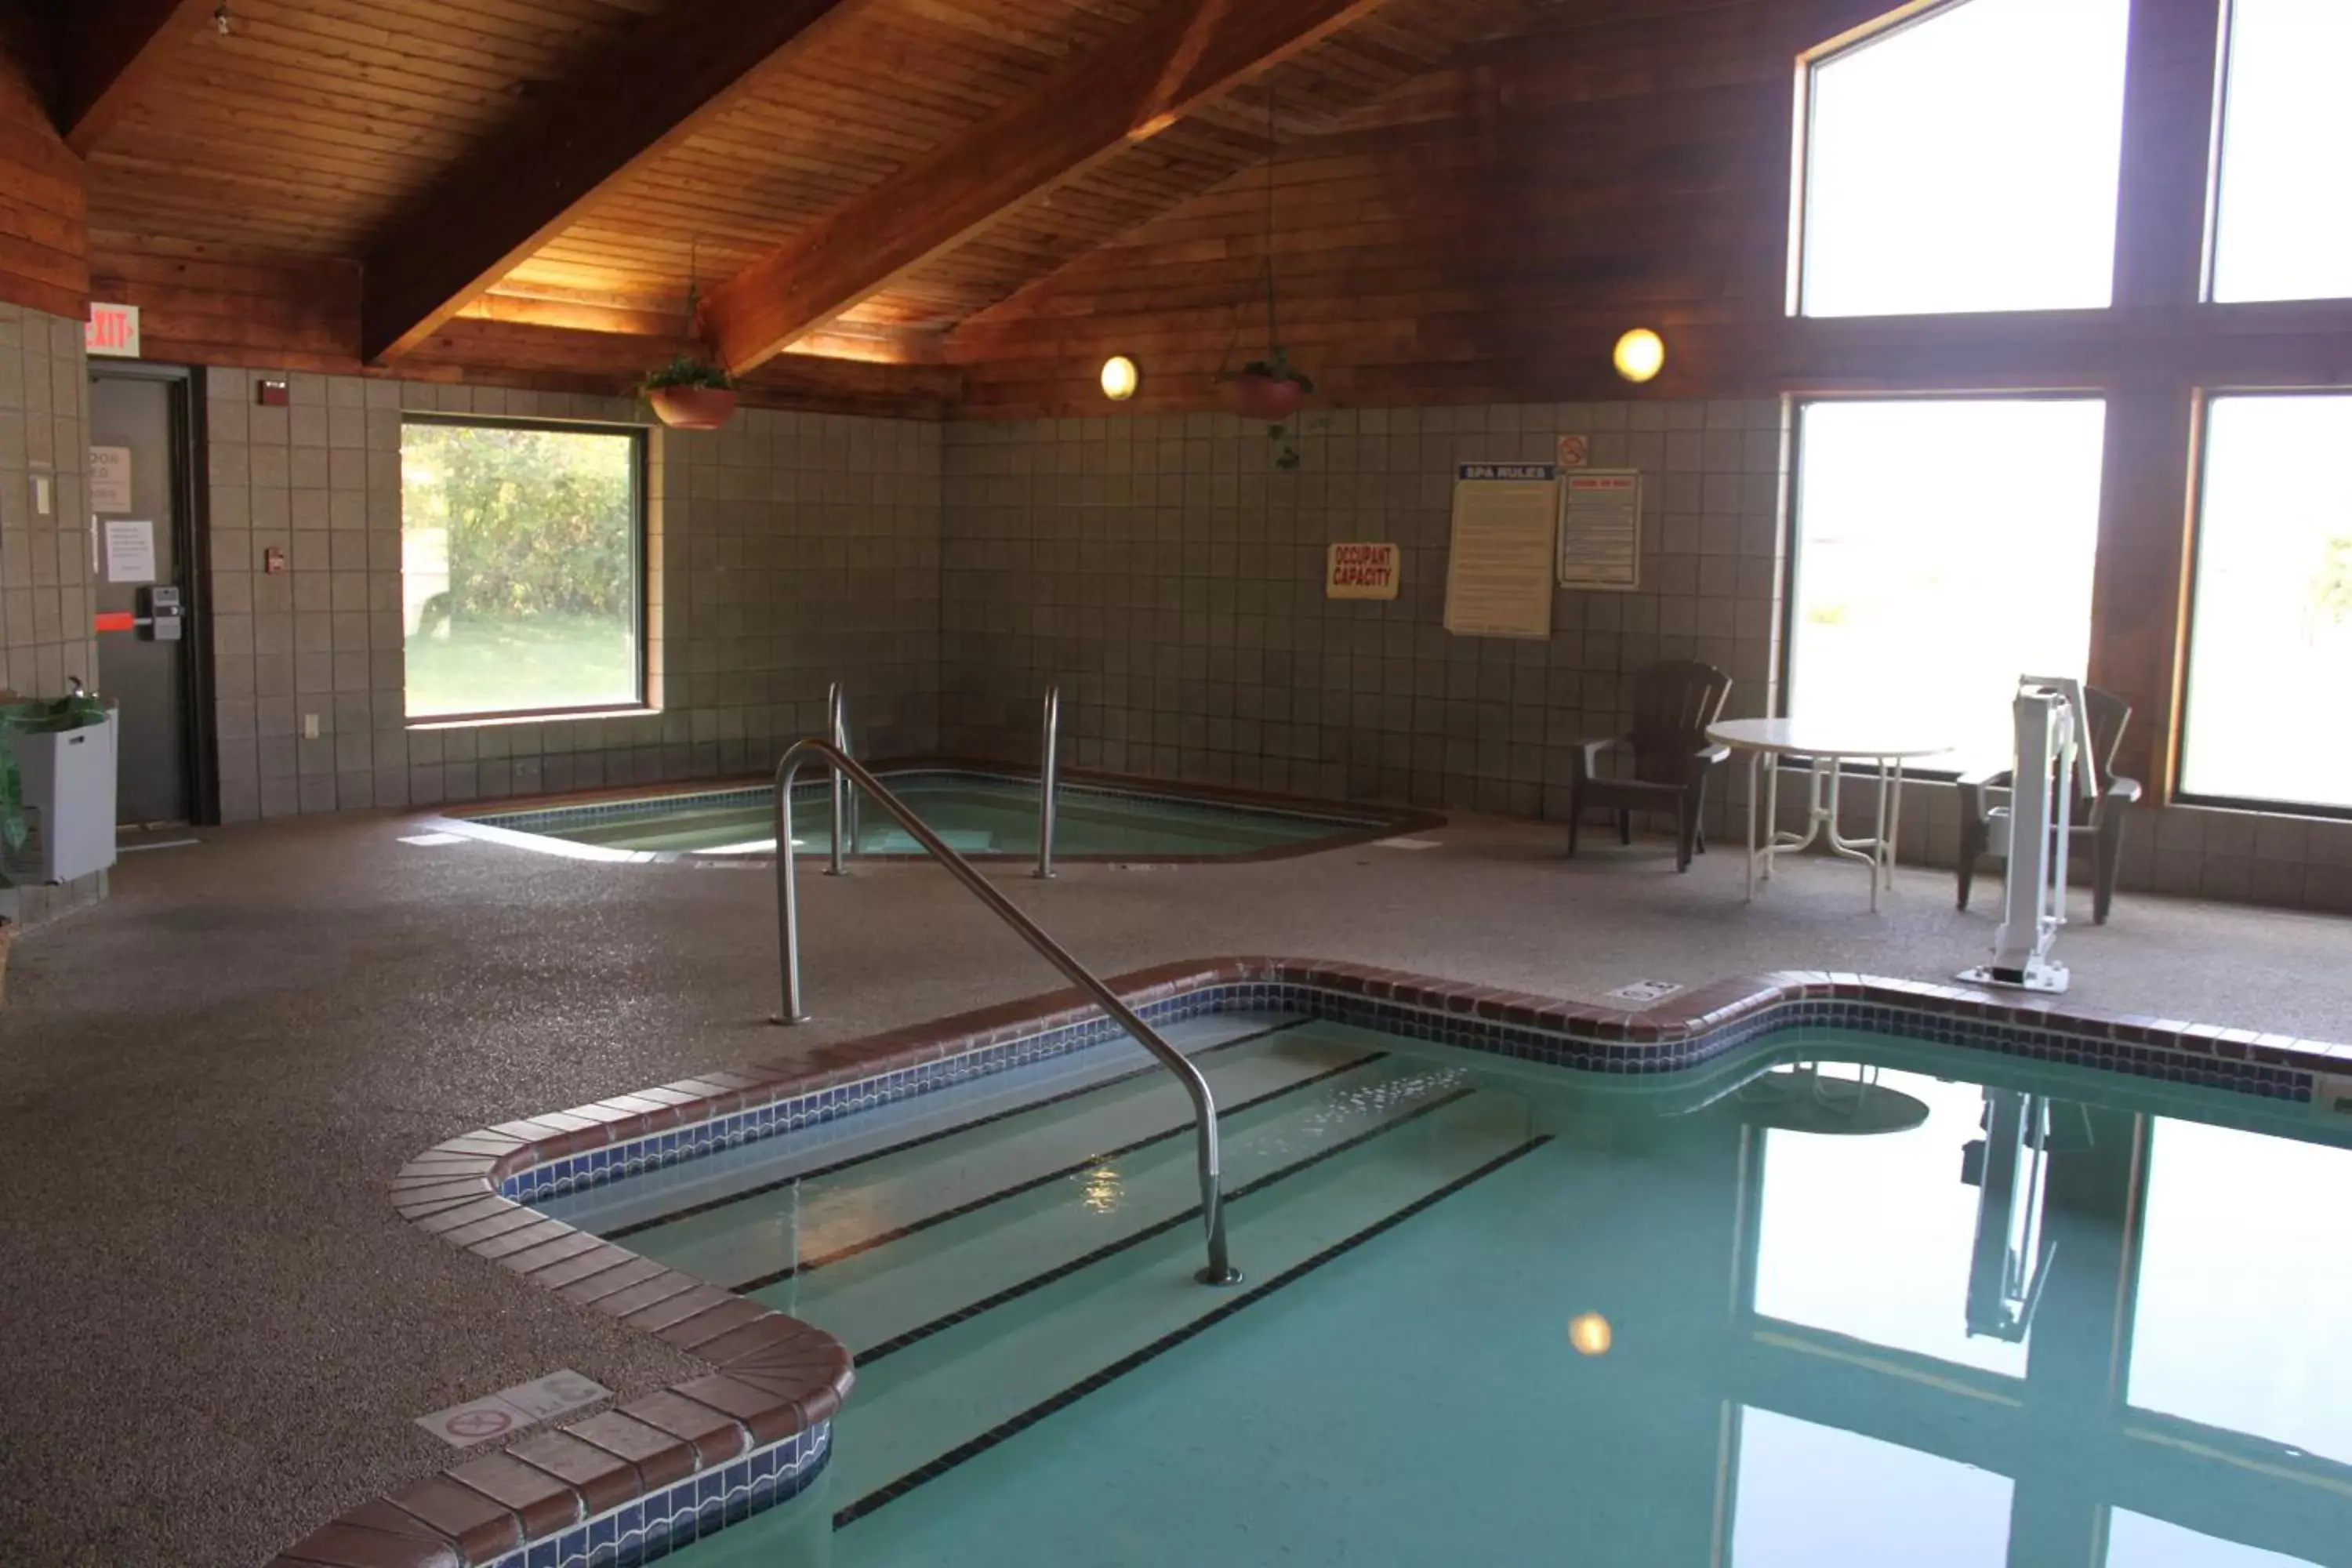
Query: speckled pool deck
{"points": [[222, 1325]]}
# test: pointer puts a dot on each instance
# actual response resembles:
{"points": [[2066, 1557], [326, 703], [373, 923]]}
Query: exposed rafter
{"points": [[108, 48], [1127, 89], [644, 94]]}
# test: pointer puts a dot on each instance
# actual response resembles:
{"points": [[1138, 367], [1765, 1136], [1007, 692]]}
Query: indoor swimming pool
{"points": [[1840, 1300], [977, 814]]}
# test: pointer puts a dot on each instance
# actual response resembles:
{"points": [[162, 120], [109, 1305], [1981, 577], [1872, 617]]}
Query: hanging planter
{"points": [[1268, 388], [690, 394]]}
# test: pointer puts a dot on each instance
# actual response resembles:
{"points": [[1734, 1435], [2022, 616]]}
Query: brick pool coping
{"points": [[758, 1424]]}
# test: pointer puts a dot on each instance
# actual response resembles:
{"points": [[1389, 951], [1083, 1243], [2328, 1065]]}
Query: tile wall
{"points": [[1169, 575], [47, 586], [787, 551]]}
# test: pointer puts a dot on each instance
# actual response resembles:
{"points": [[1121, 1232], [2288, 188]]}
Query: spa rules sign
{"points": [[1361, 572]]}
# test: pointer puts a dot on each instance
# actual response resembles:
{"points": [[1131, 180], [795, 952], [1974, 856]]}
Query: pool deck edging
{"points": [[709, 1450]]}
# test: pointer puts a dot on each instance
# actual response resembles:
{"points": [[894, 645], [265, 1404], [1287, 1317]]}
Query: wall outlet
{"points": [[310, 726]]}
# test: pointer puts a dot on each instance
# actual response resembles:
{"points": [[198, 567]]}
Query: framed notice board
{"points": [[1498, 572]]}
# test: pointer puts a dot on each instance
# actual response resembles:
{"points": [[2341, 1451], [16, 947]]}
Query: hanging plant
{"points": [[692, 391], [1270, 388]]}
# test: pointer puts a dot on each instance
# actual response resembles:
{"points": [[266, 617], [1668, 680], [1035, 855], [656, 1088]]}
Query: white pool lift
{"points": [[2032, 832]]}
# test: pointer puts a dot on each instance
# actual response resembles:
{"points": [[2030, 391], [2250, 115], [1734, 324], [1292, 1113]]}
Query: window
{"points": [[2271, 628], [2281, 227], [1944, 547], [1809, 1494], [1966, 159], [521, 584]]}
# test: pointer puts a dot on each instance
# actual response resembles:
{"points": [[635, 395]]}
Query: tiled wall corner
{"points": [[48, 588], [1169, 575], [783, 552]]}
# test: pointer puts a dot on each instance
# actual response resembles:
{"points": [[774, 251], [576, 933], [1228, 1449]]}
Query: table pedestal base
{"points": [[1822, 820]]}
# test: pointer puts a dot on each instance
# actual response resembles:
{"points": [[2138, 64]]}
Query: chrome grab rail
{"points": [[844, 799], [1220, 1269], [1049, 780]]}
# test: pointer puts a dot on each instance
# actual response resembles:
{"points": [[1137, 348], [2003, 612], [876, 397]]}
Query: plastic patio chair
{"points": [[1672, 705], [2102, 821]]}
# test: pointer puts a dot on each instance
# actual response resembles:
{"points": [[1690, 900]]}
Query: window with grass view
{"points": [[2283, 226], [1966, 159], [520, 568], [2270, 648], [1944, 547]]}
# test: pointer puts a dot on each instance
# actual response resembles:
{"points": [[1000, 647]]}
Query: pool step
{"points": [[893, 1290], [949, 1391], [763, 1237]]}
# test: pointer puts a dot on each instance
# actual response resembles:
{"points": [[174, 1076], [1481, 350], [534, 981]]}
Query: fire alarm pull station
{"points": [[160, 614]]}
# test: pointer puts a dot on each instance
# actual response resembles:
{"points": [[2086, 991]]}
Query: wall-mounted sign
{"points": [[1498, 571], [109, 479], [1575, 451], [1361, 572], [1601, 529], [111, 331]]}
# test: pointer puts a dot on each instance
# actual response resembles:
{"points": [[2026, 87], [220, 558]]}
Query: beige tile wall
{"points": [[46, 589], [787, 551]]}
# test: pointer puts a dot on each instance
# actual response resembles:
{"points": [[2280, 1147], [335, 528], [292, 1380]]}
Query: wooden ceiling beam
{"points": [[648, 91], [110, 49], [1125, 90]]}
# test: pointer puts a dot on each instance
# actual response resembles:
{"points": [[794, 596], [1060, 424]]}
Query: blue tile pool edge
{"points": [[513, 1165]]}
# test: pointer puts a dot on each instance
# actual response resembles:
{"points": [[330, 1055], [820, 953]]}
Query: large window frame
{"points": [[1803, 143], [641, 616], [1933, 769], [2192, 570], [2209, 261]]}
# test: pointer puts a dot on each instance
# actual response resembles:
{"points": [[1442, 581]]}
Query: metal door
{"points": [[139, 501]]}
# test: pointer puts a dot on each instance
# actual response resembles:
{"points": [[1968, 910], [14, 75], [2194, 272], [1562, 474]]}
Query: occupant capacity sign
{"points": [[1361, 572], [1601, 529], [1499, 572]]}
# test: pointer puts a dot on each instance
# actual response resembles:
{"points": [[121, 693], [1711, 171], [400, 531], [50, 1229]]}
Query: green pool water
{"points": [[1853, 1303], [977, 813]]}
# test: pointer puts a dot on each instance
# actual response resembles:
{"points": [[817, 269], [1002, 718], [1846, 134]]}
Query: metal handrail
{"points": [[1220, 1269], [844, 799], [1049, 781]]}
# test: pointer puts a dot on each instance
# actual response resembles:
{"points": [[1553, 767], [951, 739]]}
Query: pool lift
{"points": [[2032, 832]]}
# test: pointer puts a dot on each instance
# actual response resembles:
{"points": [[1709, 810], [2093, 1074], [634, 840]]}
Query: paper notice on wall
{"points": [[109, 479], [1498, 571], [130, 550], [1601, 529], [1360, 572]]}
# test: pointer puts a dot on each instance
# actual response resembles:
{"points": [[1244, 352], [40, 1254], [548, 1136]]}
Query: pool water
{"points": [[977, 813], [1830, 1305]]}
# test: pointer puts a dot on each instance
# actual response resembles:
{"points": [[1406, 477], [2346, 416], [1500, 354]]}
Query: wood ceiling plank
{"points": [[633, 101], [1123, 91]]}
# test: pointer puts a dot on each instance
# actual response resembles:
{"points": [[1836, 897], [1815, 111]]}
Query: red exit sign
{"points": [[111, 329]]}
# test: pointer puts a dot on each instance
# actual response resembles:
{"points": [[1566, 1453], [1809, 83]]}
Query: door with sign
{"points": [[140, 548]]}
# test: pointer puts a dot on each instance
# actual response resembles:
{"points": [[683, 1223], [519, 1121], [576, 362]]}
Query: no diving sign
{"points": [[512, 1409]]}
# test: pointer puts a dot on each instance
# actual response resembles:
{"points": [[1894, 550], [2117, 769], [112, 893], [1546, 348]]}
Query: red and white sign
{"points": [[1362, 572], [1575, 451], [112, 330]]}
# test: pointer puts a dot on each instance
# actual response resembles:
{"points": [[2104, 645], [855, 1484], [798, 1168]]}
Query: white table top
{"points": [[1824, 738]]}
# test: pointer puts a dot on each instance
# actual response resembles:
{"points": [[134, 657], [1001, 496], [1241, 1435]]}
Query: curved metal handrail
{"points": [[844, 800], [1049, 781], [1220, 1269]]}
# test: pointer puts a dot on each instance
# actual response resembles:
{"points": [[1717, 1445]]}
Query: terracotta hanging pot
{"points": [[1260, 396], [692, 407]]}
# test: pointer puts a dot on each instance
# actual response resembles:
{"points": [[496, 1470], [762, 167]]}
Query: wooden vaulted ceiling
{"points": [[846, 178]]}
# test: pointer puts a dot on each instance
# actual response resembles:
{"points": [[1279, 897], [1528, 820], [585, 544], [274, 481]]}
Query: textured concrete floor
{"points": [[216, 1329]]}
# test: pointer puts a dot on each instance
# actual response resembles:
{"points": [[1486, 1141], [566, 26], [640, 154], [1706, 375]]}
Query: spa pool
{"points": [[1841, 1299], [979, 814]]}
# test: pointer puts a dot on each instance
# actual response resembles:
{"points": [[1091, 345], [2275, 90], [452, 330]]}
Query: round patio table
{"points": [[1826, 744]]}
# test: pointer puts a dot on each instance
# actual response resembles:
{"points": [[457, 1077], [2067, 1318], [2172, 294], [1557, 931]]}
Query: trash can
{"points": [[57, 789]]}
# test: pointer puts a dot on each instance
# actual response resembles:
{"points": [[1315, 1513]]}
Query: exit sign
{"points": [[111, 331]]}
